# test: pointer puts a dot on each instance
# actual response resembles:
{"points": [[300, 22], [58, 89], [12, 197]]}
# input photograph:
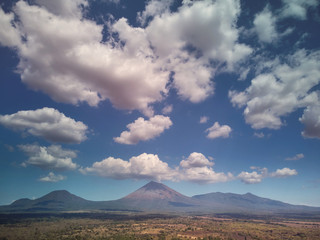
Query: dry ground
{"points": [[158, 228]]}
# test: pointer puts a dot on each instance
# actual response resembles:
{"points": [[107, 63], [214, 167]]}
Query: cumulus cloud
{"points": [[63, 54], [217, 131], [284, 172], [265, 26], [284, 87], [143, 130], [144, 166], [311, 120], [204, 119], [261, 173], [47, 123], [53, 157], [52, 178], [250, 178], [195, 160], [296, 157], [196, 168], [188, 40]]}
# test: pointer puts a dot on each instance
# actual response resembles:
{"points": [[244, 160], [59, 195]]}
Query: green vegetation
{"points": [[155, 227]]}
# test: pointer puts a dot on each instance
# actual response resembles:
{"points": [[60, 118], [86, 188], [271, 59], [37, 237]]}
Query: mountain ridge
{"points": [[157, 197]]}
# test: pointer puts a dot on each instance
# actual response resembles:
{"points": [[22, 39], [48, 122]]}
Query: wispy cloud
{"points": [[296, 157], [51, 177], [204, 119]]}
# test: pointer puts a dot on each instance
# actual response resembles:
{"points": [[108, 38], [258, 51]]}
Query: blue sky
{"points": [[100, 97]]}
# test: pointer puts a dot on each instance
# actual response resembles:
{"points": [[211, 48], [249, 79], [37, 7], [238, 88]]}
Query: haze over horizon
{"points": [[100, 97]]}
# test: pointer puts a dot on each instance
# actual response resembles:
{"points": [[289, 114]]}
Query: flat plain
{"points": [[100, 226]]}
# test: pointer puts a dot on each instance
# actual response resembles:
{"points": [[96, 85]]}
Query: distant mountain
{"points": [[157, 197], [60, 200], [248, 202]]}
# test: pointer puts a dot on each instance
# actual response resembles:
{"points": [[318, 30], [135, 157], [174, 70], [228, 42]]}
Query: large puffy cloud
{"points": [[187, 40], [144, 166], [311, 120], [143, 130], [217, 131], [53, 157], [281, 89], [62, 54], [47, 123], [196, 168], [261, 173], [64, 57], [265, 26], [195, 159]]}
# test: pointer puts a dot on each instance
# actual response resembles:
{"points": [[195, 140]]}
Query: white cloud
{"points": [[167, 109], [52, 178], [311, 120], [284, 172], [49, 158], [195, 168], [63, 54], [143, 130], [286, 87], [296, 157], [47, 123], [204, 175], [204, 119], [144, 166], [261, 173], [217, 131], [250, 178], [186, 41], [65, 58], [297, 8], [195, 160], [265, 26]]}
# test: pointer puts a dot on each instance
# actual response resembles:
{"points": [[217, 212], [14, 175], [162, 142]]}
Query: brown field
{"points": [[155, 227]]}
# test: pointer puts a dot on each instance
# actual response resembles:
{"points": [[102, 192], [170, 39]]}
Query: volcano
{"points": [[157, 196]]}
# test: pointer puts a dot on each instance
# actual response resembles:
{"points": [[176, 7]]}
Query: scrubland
{"points": [[154, 227]]}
